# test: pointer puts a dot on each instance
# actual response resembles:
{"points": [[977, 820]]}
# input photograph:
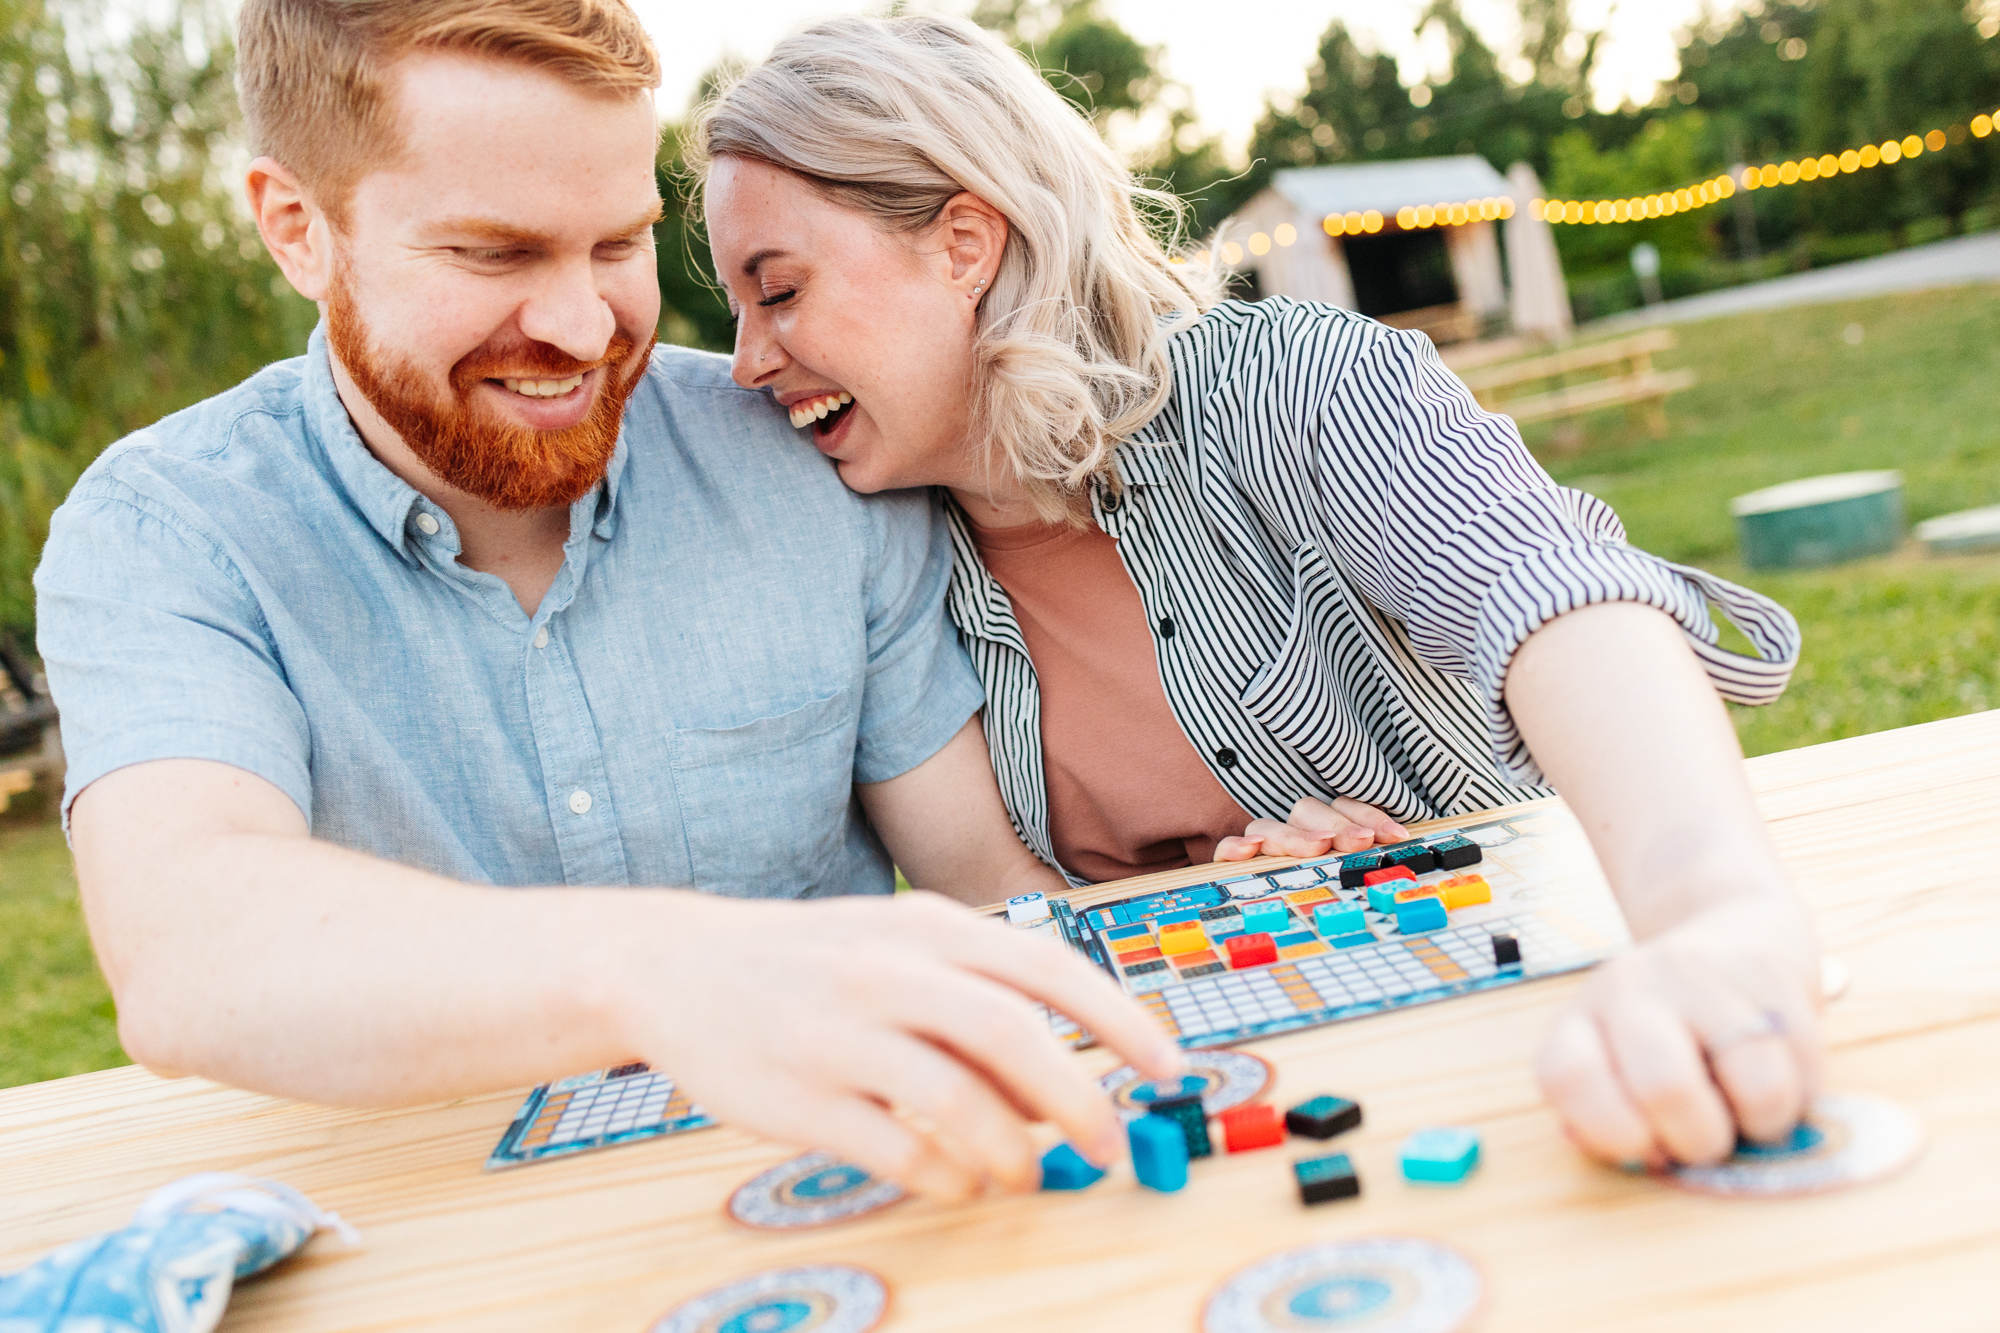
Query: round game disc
{"points": [[1229, 1078], [817, 1298], [810, 1191], [1848, 1138], [1371, 1284]]}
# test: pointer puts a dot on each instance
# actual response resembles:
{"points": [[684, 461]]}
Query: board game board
{"points": [[1546, 892], [595, 1110]]}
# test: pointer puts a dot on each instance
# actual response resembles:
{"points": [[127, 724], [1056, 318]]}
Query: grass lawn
{"points": [[1889, 642], [55, 1012], [1785, 394]]}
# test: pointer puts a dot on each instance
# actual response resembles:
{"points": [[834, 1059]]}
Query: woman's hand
{"points": [[1314, 828], [1709, 1027]]}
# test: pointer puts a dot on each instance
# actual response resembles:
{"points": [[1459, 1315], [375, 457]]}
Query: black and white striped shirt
{"points": [[1339, 551]]}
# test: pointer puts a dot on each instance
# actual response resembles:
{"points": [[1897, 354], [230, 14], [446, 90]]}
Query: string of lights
{"points": [[1666, 203], [1766, 176]]}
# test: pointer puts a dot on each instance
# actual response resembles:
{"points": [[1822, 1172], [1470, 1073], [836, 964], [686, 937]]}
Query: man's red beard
{"points": [[507, 465]]}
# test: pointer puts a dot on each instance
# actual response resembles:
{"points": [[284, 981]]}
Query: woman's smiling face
{"points": [[828, 305]]}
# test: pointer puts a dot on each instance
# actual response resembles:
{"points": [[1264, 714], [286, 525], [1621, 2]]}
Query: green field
{"points": [[1889, 642], [55, 1013]]}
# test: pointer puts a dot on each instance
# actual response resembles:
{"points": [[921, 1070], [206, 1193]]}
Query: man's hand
{"points": [[1708, 1026], [902, 1034], [1314, 828]]}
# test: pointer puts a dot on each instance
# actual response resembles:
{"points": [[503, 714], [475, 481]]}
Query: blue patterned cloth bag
{"points": [[172, 1270]]}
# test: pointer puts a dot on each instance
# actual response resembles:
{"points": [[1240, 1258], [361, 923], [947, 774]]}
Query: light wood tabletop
{"points": [[1894, 838]]}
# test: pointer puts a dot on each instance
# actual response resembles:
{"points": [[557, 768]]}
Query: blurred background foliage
{"points": [[131, 283]]}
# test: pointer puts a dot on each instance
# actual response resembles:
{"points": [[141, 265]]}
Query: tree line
{"points": [[131, 283]]}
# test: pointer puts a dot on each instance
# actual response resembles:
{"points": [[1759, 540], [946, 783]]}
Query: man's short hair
{"points": [[313, 74]]}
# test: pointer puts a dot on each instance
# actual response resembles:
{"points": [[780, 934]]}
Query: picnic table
{"points": [[1894, 839], [1580, 380]]}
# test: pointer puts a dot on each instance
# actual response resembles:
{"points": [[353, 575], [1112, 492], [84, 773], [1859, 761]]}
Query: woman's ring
{"points": [[1769, 1023]]}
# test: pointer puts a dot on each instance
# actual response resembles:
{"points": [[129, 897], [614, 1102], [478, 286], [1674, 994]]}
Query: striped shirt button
{"points": [[1109, 504], [1166, 627], [1226, 757]]}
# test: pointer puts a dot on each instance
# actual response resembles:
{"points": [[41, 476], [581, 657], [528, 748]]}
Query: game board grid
{"points": [[596, 1110], [1352, 982]]}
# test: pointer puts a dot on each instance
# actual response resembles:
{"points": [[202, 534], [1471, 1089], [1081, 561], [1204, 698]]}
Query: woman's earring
{"points": [[978, 289]]}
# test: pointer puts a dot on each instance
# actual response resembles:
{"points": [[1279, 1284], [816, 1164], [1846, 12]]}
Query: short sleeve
{"points": [[1446, 521], [920, 687], [155, 649]]}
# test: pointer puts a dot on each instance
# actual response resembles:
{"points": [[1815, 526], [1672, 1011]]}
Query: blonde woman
{"points": [[1269, 565]]}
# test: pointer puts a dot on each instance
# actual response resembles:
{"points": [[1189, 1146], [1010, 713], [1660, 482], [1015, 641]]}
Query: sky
{"points": [[1229, 55]]}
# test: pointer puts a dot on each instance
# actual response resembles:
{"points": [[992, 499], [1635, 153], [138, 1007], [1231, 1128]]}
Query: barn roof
{"points": [[1388, 186]]}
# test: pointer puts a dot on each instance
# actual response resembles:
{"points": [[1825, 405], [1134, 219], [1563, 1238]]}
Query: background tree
{"points": [[131, 284]]}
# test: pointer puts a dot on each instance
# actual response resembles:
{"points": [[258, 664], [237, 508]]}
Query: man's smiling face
{"points": [[494, 296]]}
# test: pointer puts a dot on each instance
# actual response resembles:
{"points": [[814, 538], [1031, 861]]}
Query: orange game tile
{"points": [[1301, 897], [1183, 937]]}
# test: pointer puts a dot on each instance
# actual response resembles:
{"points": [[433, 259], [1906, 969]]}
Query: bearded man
{"points": [[354, 655]]}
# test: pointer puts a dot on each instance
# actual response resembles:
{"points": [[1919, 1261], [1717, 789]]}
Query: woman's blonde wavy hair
{"points": [[893, 118]]}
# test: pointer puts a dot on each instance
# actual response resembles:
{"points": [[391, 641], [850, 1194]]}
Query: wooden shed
{"points": [[1418, 244]]}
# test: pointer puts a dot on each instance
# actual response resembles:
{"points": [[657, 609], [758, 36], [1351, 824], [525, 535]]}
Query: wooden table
{"points": [[1894, 838]]}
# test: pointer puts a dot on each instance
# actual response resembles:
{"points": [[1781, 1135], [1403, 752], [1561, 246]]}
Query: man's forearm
{"points": [[276, 962]]}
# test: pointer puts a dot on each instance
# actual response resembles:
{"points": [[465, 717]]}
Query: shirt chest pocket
{"points": [[767, 803]]}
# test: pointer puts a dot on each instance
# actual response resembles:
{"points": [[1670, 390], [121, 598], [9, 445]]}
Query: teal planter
{"points": [[1820, 520]]}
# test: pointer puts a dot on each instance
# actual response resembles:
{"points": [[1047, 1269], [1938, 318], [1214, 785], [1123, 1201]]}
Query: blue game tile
{"points": [[1333, 919], [1126, 932], [1064, 1168], [1382, 897], [1159, 1153], [1803, 1138], [1439, 1156], [1354, 941], [1295, 937], [1182, 914], [1148, 1093], [1266, 915], [1419, 915]]}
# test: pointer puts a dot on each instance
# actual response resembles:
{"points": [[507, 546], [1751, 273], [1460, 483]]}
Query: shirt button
{"points": [[1166, 627], [1109, 504], [427, 525], [1226, 757], [542, 638], [579, 802]]}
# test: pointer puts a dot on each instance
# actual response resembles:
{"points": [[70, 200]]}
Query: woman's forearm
{"points": [[1624, 723]]}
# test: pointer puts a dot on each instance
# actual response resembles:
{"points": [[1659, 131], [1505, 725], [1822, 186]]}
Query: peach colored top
{"points": [[1127, 792]]}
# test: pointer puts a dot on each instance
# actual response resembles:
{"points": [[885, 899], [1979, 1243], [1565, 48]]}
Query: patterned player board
{"points": [[1846, 1139], [814, 1298], [1538, 882], [595, 1110], [1370, 1284]]}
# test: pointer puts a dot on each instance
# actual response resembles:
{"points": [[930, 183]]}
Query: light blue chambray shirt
{"points": [[733, 641]]}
